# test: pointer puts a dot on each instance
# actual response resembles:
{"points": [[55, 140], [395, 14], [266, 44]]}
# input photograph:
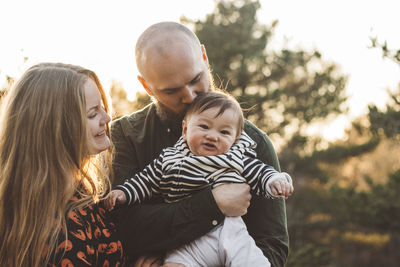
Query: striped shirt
{"points": [[177, 173]]}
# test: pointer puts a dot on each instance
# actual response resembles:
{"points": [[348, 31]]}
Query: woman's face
{"points": [[97, 119]]}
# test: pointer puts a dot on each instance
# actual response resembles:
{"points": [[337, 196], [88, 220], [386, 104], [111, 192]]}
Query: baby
{"points": [[213, 150]]}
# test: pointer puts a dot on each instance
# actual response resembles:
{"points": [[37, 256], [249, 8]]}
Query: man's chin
{"points": [[167, 114]]}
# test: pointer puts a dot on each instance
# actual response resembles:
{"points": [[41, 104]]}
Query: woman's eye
{"points": [[91, 116]]}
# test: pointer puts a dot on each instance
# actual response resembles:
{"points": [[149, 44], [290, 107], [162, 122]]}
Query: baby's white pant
{"points": [[228, 244]]}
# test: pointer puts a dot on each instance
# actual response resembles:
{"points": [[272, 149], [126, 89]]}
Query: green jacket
{"points": [[155, 226]]}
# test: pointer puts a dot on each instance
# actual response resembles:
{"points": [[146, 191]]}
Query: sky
{"points": [[101, 35]]}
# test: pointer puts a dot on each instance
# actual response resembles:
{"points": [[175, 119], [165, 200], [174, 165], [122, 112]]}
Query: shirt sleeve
{"points": [[266, 218], [258, 175], [124, 154], [143, 184]]}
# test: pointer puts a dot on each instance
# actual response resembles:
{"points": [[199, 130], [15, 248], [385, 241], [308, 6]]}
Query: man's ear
{"points": [[184, 129], [145, 85], [203, 51]]}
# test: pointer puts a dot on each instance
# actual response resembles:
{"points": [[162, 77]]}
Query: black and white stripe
{"points": [[177, 173]]}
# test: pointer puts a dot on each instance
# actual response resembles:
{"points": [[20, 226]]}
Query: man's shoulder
{"points": [[128, 124], [254, 132], [265, 149], [136, 117]]}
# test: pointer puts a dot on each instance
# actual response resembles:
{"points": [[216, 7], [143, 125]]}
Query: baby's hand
{"points": [[281, 188], [115, 197]]}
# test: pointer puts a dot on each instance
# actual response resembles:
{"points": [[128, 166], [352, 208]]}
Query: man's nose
{"points": [[189, 94]]}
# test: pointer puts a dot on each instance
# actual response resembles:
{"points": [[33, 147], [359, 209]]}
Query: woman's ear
{"points": [[203, 51], [145, 85]]}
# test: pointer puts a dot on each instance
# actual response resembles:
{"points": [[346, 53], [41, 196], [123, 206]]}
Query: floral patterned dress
{"points": [[92, 240]]}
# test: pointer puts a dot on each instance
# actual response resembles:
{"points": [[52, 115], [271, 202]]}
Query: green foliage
{"points": [[286, 91], [387, 121], [4, 90], [312, 255], [377, 209], [392, 54], [2, 93], [286, 88], [122, 105], [337, 153]]}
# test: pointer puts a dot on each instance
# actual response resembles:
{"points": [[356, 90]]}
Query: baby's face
{"points": [[208, 135]]}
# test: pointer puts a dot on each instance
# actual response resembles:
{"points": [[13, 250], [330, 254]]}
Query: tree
{"points": [[3, 91], [366, 221], [288, 89], [387, 121], [121, 105]]}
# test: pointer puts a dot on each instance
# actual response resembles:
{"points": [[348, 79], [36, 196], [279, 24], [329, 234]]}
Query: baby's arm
{"points": [[138, 188], [265, 180], [280, 185]]}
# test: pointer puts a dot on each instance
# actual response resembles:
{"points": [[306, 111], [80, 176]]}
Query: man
{"points": [[173, 70]]}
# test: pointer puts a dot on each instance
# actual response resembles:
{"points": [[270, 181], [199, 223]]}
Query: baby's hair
{"points": [[221, 99]]}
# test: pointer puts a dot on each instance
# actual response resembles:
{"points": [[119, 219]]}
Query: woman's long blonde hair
{"points": [[44, 160]]}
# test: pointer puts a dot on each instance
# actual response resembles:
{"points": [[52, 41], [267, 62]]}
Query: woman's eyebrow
{"points": [[93, 107]]}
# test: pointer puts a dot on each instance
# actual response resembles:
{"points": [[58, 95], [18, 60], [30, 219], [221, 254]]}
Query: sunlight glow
{"points": [[101, 35]]}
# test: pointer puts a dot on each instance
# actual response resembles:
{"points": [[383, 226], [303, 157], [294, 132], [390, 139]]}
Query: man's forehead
{"points": [[174, 69], [168, 40], [178, 84]]}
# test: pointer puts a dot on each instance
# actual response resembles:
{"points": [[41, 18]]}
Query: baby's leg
{"points": [[201, 252], [237, 248]]}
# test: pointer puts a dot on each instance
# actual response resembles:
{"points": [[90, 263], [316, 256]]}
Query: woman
{"points": [[54, 149]]}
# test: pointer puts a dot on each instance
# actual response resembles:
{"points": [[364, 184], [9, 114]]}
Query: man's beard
{"points": [[166, 114]]}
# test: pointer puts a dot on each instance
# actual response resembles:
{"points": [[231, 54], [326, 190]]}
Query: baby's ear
{"points": [[238, 137], [184, 129]]}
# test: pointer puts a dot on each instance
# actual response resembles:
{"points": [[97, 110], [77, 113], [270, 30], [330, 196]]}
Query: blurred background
{"points": [[321, 78]]}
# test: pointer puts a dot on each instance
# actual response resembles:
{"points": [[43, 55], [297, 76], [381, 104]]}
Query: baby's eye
{"points": [[203, 126], [225, 132]]}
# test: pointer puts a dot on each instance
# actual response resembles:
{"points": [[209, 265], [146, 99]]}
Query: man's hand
{"points": [[232, 199], [114, 197], [173, 264]]}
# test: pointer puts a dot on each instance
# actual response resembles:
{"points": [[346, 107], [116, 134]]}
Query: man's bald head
{"points": [[160, 38]]}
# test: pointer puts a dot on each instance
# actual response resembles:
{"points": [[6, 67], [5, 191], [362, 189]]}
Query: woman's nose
{"points": [[105, 118]]}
